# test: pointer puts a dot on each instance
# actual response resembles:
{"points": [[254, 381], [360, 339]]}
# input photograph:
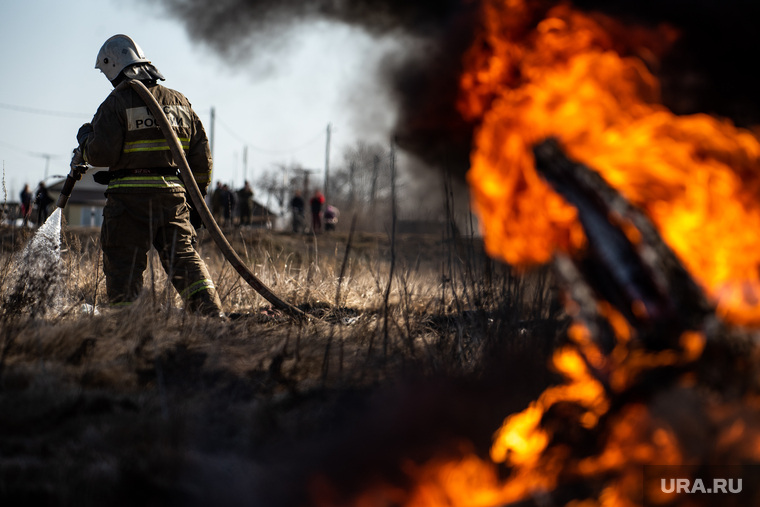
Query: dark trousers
{"points": [[132, 223]]}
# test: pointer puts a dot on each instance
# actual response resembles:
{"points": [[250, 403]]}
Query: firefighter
{"points": [[146, 201]]}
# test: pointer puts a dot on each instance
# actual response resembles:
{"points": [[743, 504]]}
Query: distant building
{"points": [[85, 206], [262, 216]]}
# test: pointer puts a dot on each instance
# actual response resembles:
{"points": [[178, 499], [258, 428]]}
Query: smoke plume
{"points": [[423, 81], [709, 70]]}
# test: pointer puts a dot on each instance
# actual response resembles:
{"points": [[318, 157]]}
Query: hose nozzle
{"points": [[78, 168], [68, 186]]}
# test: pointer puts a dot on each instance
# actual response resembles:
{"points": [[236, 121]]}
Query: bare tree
{"points": [[362, 182], [280, 182]]}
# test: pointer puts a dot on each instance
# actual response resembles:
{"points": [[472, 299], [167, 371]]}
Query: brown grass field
{"points": [[150, 405]]}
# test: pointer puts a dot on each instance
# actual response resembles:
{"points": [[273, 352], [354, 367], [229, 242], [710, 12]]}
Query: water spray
{"points": [[37, 285]]}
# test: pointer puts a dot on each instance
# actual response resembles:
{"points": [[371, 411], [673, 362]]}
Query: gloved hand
{"points": [[84, 131], [78, 165]]}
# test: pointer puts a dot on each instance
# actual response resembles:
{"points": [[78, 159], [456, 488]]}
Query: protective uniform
{"points": [[146, 201]]}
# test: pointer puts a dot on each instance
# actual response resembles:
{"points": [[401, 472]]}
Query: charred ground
{"points": [[151, 406]]}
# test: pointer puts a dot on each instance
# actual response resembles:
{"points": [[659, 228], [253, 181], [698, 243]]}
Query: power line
{"points": [[29, 152], [229, 130], [295, 149], [45, 112], [69, 114]]}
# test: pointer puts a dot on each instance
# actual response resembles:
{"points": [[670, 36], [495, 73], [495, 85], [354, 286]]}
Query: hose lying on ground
{"points": [[200, 205]]}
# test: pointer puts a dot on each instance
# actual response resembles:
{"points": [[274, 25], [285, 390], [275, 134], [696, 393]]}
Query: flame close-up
{"points": [[586, 80]]}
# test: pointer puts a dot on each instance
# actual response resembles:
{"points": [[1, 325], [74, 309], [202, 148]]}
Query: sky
{"points": [[275, 109]]}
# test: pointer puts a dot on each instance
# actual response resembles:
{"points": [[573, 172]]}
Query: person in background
{"points": [[26, 204], [43, 200], [298, 207], [331, 217], [146, 201], [245, 204], [228, 204], [315, 204], [216, 201]]}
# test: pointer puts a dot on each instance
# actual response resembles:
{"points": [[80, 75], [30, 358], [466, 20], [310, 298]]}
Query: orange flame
{"points": [[522, 444], [697, 177]]}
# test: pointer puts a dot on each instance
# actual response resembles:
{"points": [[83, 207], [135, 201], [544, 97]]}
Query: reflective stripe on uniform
{"points": [[197, 287], [146, 182], [153, 145]]}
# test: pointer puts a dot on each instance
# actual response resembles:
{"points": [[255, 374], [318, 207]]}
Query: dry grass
{"points": [[152, 406]]}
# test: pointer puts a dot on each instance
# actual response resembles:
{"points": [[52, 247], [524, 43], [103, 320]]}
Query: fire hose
{"points": [[197, 200]]}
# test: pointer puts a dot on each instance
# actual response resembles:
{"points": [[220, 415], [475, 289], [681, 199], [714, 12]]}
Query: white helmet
{"points": [[118, 52]]}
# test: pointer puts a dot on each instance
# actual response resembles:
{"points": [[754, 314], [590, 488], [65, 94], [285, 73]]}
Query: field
{"points": [[416, 349]]}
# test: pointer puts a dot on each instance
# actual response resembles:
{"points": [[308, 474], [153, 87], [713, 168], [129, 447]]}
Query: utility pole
{"points": [[245, 163], [393, 188], [284, 185], [304, 174], [373, 191], [211, 131], [375, 174], [327, 159], [46, 156], [352, 184]]}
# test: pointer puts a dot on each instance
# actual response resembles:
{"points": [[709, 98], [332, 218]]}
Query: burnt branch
{"points": [[625, 261]]}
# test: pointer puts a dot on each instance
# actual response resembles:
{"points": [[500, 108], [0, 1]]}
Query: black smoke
{"points": [[711, 69], [423, 82], [227, 23]]}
